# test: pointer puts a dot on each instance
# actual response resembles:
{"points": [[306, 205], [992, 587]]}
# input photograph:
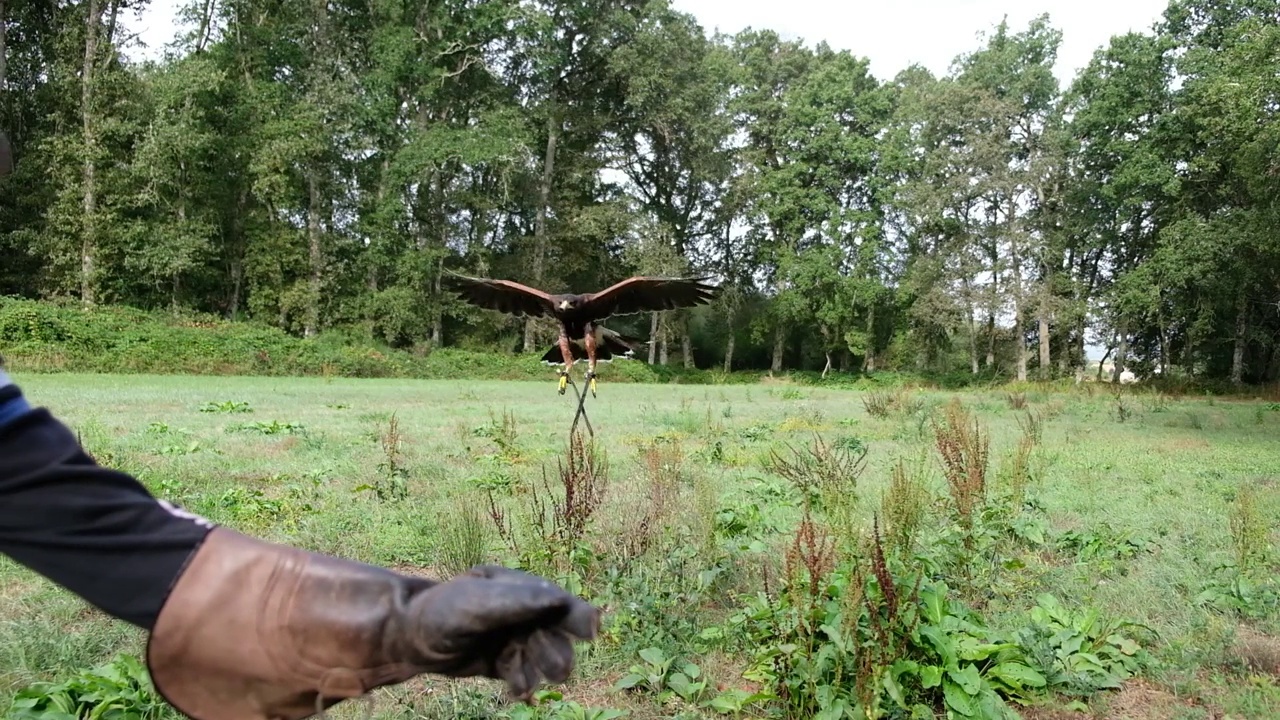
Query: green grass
{"points": [[305, 461]]}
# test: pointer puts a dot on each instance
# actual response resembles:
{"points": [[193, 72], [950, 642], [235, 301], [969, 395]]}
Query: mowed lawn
{"points": [[1143, 487]]}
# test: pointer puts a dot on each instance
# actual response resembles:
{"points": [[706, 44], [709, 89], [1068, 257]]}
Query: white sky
{"points": [[891, 33]]}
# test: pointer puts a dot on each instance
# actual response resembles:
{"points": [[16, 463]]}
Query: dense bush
{"points": [[51, 337]]}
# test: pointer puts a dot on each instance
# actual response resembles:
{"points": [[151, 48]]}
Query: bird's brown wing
{"points": [[644, 294], [501, 295]]}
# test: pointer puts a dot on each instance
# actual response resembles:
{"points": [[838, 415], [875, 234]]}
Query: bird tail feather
{"points": [[612, 344]]}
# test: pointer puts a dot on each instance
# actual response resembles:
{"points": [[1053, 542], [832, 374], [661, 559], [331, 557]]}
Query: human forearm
{"points": [[95, 531]]}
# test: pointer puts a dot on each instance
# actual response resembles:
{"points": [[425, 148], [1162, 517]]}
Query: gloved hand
{"points": [[260, 631], [500, 623]]}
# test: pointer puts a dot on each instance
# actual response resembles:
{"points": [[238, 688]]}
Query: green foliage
{"points": [[851, 583], [119, 690], [316, 173]]}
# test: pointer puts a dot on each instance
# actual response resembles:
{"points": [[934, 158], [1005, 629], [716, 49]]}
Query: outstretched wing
{"points": [[645, 294], [501, 295]]}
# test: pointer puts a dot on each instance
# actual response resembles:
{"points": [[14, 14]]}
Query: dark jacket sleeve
{"points": [[95, 531]]}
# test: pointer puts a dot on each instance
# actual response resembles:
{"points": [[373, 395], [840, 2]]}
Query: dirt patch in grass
{"points": [[283, 447], [1185, 443], [423, 571], [20, 584], [1256, 651], [1142, 700], [1048, 713]]}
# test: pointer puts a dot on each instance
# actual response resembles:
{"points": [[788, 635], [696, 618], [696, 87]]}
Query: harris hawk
{"points": [[581, 334]]}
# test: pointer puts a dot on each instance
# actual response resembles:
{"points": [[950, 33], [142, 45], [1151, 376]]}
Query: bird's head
{"points": [[570, 303]]}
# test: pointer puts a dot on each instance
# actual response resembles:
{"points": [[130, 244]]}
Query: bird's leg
{"points": [[591, 359], [568, 361]]}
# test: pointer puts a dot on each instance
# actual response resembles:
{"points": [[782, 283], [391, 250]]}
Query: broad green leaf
{"points": [[653, 656], [957, 699], [895, 690], [968, 678], [1018, 675], [628, 681]]}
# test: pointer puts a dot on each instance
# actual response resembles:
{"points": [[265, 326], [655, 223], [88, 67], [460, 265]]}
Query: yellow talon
{"points": [[564, 382], [592, 383]]}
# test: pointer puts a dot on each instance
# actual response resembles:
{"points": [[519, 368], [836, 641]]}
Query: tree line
{"points": [[318, 165]]}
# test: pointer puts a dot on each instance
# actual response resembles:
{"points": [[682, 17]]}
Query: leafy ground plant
{"points": [[118, 690], [868, 603]]}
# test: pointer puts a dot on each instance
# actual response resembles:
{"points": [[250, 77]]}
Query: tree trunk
{"points": [[437, 316], [1242, 326], [1043, 355], [973, 325], [439, 219], [311, 324], [869, 365], [1020, 346], [1122, 352], [237, 254], [991, 309], [826, 368], [89, 238], [1082, 352], [206, 23], [1103, 362], [779, 345], [728, 349], [654, 328], [973, 346], [991, 340], [1164, 342], [686, 343], [237, 282], [177, 275], [3, 45], [1019, 298], [544, 202], [662, 348]]}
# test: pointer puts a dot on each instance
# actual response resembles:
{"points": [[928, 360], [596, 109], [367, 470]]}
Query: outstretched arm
{"points": [[95, 531], [242, 629]]}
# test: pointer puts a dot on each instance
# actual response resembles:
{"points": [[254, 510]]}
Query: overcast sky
{"points": [[891, 33]]}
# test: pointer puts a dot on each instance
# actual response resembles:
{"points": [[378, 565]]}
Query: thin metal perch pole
{"points": [[582, 410]]}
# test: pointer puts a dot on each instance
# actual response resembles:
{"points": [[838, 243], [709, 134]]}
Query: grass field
{"points": [[1139, 507]]}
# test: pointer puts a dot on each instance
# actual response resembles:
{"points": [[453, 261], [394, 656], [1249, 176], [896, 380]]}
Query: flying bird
{"points": [[581, 334]]}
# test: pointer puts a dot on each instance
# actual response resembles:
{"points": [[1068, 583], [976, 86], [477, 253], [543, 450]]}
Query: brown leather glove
{"points": [[259, 631]]}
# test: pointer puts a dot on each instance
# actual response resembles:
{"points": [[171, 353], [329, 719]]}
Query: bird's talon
{"points": [[564, 381], [591, 383]]}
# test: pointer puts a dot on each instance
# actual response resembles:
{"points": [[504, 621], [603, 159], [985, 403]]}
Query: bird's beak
{"points": [[564, 304]]}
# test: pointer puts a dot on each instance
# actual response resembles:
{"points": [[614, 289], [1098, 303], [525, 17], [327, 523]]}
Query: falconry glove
{"points": [[258, 631]]}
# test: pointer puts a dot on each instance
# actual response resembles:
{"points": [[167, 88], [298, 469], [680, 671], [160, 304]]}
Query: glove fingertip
{"points": [[583, 620], [553, 653], [518, 672]]}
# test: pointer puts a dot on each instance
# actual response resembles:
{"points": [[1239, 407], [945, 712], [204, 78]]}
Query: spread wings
{"points": [[644, 294], [502, 295]]}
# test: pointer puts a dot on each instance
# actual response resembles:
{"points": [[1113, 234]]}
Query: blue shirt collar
{"points": [[13, 408]]}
